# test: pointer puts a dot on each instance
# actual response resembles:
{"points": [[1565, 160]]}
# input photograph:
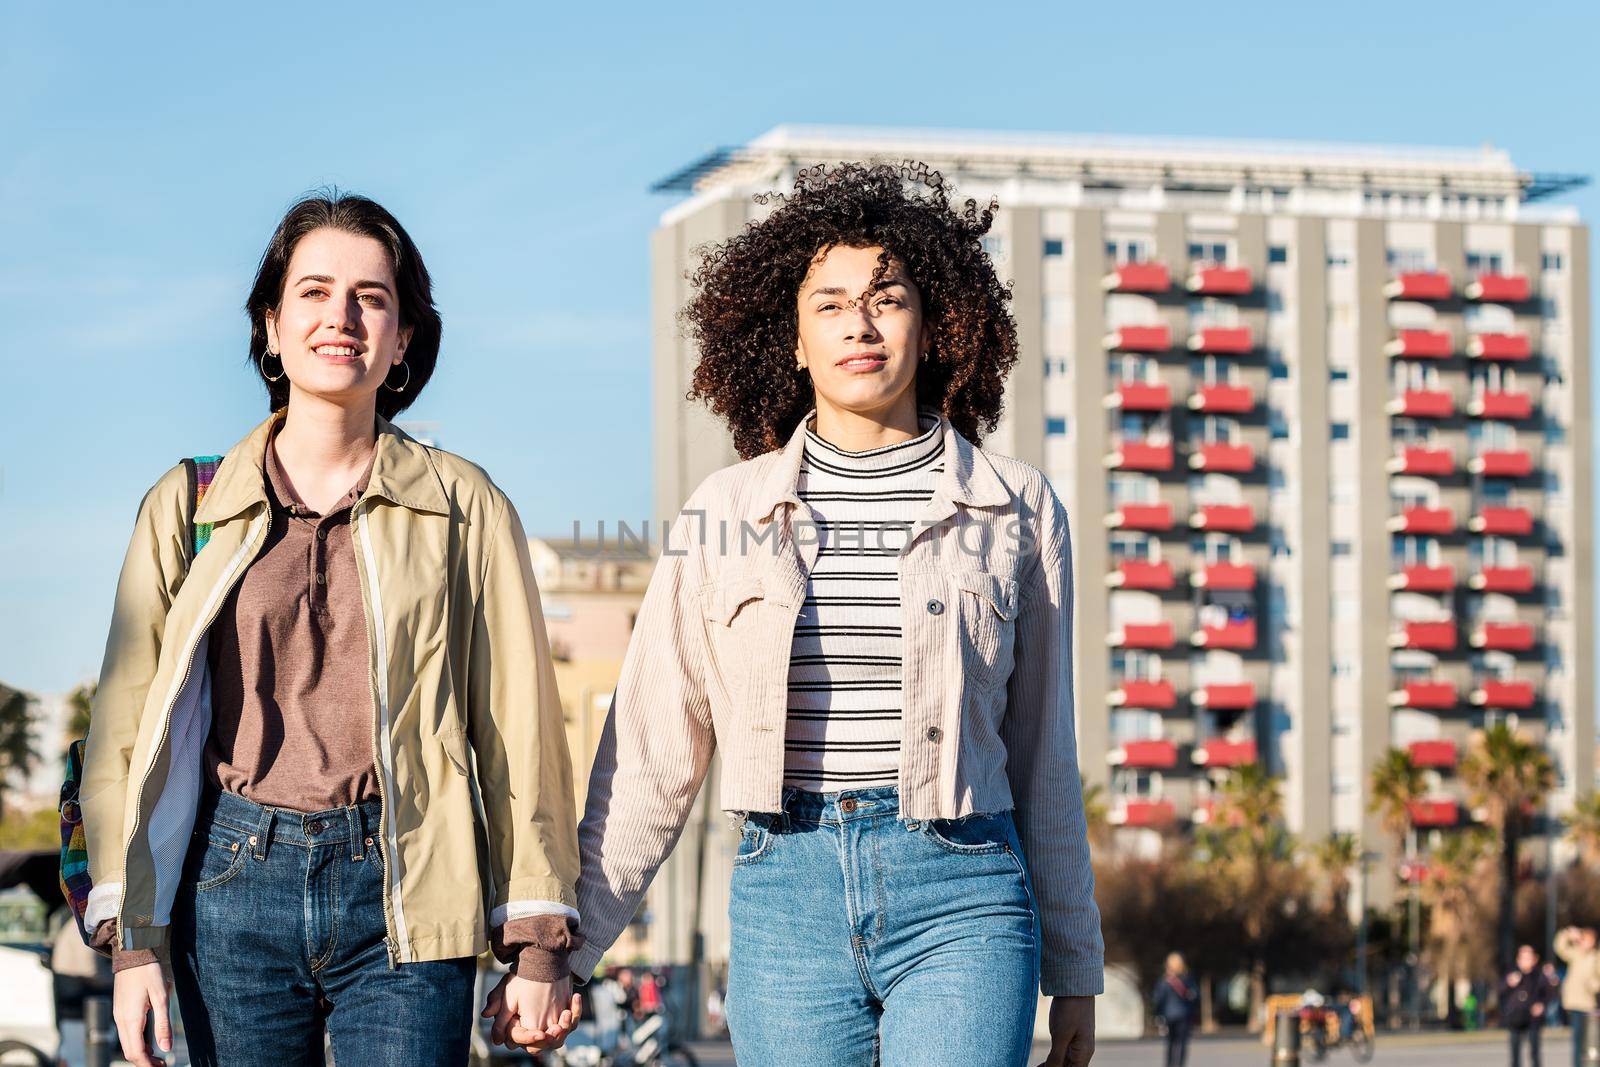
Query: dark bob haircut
{"points": [[745, 312], [358, 215]]}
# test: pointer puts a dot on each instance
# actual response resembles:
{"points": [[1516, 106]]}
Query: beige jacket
{"points": [[987, 701], [463, 701], [1582, 983]]}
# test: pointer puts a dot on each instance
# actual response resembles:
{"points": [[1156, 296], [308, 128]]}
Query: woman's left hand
{"points": [[1071, 1032], [533, 1015]]}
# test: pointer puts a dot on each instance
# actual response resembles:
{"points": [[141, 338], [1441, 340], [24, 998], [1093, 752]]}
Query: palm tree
{"points": [[1583, 827], [1394, 784], [1333, 857], [79, 703], [1097, 813], [1455, 871], [1248, 836], [18, 750], [1509, 777]]}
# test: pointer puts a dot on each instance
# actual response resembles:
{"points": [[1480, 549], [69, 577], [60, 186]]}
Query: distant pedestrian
{"points": [[1523, 996], [1582, 983], [1174, 1003]]}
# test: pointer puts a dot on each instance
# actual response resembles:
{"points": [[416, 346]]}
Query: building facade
{"points": [[1320, 416]]}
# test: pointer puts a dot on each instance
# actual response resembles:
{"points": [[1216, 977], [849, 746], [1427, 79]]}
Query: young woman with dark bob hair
{"points": [[320, 658], [872, 618]]}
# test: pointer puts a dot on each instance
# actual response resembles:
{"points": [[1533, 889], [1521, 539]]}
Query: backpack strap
{"points": [[201, 470]]}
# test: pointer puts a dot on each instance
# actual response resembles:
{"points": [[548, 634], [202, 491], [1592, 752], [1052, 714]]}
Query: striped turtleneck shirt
{"points": [[844, 666]]}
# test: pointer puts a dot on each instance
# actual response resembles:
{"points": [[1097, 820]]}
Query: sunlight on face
{"points": [[861, 347], [338, 328]]}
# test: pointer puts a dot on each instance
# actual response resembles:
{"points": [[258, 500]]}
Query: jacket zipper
{"points": [[245, 553], [379, 683]]}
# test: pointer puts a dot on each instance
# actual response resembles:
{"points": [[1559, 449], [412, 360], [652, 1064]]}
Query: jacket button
{"points": [[935, 607], [935, 734]]}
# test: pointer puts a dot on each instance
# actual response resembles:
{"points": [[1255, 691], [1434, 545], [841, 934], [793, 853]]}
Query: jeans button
{"points": [[847, 805], [316, 826], [935, 607], [935, 734]]}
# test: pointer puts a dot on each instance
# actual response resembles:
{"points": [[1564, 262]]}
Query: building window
{"points": [[1339, 431], [1405, 260], [1338, 374], [1279, 545], [1552, 261], [1277, 425], [1053, 367], [1055, 427], [1484, 263], [1338, 548], [1209, 251], [1125, 250], [1054, 246], [1339, 257], [1277, 254]]}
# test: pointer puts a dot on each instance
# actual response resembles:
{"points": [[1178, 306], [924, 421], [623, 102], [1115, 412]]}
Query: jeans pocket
{"points": [[975, 835], [217, 855], [753, 843]]}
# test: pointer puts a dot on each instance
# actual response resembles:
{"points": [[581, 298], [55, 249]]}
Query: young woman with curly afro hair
{"points": [[870, 616]]}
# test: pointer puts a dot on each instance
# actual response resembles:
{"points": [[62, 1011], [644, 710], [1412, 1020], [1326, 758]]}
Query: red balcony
{"points": [[1231, 696], [1437, 812], [1499, 288], [1142, 456], [1424, 404], [1235, 634], [1437, 636], [1144, 635], [1501, 405], [1139, 339], [1221, 281], [1422, 344], [1426, 694], [1434, 462], [1156, 516], [1138, 278], [1219, 752], [1420, 285], [1502, 463], [1150, 814], [1155, 755], [1506, 522], [1224, 576], [1141, 396], [1499, 346], [1225, 518], [1504, 636], [1142, 574], [1420, 520], [1143, 693], [1440, 753], [1225, 456], [1513, 693], [1513, 579], [1223, 400], [1223, 340], [1424, 578]]}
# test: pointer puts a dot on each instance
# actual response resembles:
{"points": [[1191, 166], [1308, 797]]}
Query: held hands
{"points": [[1514, 978], [137, 992], [532, 1015], [1071, 1032]]}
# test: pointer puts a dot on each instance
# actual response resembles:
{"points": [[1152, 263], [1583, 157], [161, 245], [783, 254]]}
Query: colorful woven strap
{"points": [[205, 469], [75, 883]]}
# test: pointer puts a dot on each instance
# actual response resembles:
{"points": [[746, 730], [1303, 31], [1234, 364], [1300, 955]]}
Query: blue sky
{"points": [[147, 150]]}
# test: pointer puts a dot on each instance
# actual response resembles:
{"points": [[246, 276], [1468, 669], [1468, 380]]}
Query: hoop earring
{"points": [[262, 362], [402, 386]]}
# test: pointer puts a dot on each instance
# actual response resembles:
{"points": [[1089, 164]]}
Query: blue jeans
{"points": [[278, 936], [856, 935]]}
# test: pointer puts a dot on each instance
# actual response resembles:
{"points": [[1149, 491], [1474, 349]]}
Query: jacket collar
{"points": [[968, 479], [402, 472]]}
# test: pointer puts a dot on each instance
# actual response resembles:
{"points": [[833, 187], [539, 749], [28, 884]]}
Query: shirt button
{"points": [[935, 607], [935, 734]]}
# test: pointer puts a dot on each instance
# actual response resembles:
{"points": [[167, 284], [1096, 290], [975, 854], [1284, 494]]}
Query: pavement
{"points": [[1452, 1049]]}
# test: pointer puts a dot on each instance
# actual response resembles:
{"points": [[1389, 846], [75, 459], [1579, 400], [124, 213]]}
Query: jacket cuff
{"points": [[1079, 979], [537, 947]]}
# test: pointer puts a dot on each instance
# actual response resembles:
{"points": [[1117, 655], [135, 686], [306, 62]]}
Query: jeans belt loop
{"points": [[357, 850], [258, 846]]}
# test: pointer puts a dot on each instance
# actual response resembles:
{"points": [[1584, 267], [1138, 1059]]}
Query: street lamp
{"points": [[1367, 859]]}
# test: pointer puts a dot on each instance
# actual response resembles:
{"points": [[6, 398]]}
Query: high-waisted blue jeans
{"points": [[278, 936], [858, 935]]}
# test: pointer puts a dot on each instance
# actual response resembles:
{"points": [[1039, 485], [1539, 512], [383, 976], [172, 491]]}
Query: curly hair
{"points": [[744, 315]]}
